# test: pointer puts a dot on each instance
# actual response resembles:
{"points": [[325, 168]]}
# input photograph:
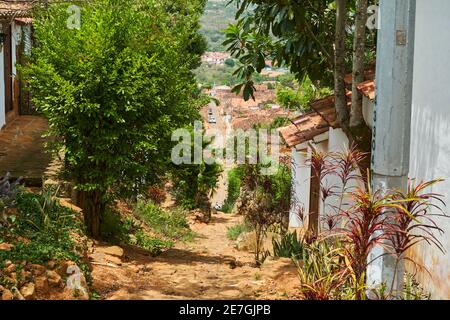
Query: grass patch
{"points": [[40, 230], [235, 231], [151, 227], [155, 245], [171, 225], [120, 230]]}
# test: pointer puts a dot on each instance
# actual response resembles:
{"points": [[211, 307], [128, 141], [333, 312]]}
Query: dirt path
{"points": [[208, 268]]}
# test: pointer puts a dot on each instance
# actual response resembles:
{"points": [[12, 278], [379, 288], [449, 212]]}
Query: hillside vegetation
{"points": [[217, 16]]}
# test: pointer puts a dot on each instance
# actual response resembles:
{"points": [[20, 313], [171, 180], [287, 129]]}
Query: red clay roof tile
{"points": [[367, 88]]}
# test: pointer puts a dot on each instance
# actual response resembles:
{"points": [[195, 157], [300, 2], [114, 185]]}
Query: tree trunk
{"points": [[339, 66], [359, 45], [93, 206], [361, 133]]}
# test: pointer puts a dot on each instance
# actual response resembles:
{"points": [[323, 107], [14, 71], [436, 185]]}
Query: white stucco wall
{"points": [[300, 186], [334, 141], [322, 147], [368, 111], [16, 35], [430, 136], [337, 142]]}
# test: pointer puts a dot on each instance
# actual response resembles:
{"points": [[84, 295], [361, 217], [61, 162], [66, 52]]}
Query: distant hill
{"points": [[216, 18]]}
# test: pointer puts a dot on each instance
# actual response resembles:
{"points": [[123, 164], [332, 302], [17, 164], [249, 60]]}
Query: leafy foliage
{"points": [[413, 290], [42, 214], [150, 227], [360, 219], [235, 176], [289, 246], [170, 225], [43, 230], [114, 90], [265, 201], [116, 229], [235, 231], [300, 35], [194, 183], [155, 245], [321, 272], [300, 96]]}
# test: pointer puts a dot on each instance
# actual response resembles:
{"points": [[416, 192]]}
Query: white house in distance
{"points": [[215, 58], [15, 38]]}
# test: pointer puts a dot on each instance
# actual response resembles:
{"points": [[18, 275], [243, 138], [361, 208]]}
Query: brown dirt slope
{"points": [[208, 268]]}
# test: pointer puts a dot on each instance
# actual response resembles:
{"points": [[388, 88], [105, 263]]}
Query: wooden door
{"points": [[314, 204]]}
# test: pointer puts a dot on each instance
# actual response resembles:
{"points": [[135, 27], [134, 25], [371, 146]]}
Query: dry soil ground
{"points": [[208, 268]]}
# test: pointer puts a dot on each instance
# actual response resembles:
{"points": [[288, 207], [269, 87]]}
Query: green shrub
{"points": [[117, 229], [235, 231], [230, 63], [235, 176], [42, 249], [48, 228], [288, 246], [114, 228], [298, 96], [42, 214], [171, 225], [113, 94], [154, 245], [413, 290]]}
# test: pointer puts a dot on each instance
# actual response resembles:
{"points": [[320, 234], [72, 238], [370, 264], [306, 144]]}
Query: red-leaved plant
{"points": [[364, 218]]}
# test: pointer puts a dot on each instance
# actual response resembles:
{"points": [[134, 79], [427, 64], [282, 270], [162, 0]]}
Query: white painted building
{"points": [[430, 129], [319, 130], [15, 36]]}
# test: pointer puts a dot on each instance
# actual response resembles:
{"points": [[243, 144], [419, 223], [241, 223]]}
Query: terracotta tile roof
{"points": [[240, 103], [311, 124], [325, 108], [367, 88], [17, 8], [303, 128], [254, 117], [24, 20], [369, 74]]}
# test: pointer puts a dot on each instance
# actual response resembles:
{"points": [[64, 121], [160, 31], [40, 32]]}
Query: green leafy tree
{"points": [[230, 63], [311, 38], [195, 183], [114, 90], [299, 96]]}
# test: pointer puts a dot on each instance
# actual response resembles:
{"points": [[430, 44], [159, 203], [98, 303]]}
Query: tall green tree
{"points": [[314, 38], [115, 89]]}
